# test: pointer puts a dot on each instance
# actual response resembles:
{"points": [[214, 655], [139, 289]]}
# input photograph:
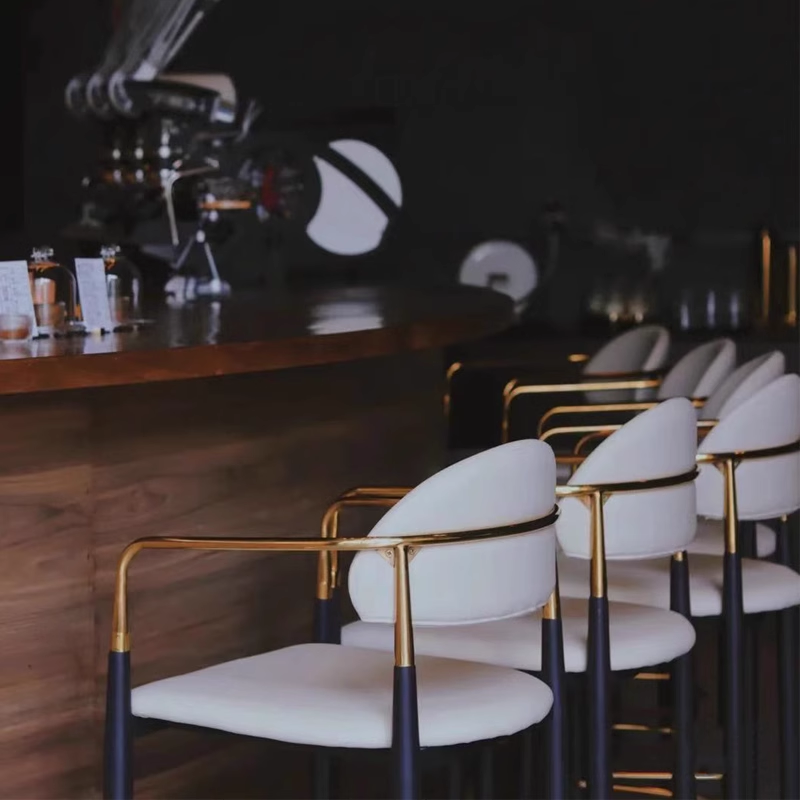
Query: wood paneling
{"points": [[82, 473]]}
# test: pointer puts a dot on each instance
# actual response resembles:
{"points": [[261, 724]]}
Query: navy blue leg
{"points": [[487, 772], [324, 775], [455, 777], [405, 734], [554, 675], [599, 675], [118, 777], [751, 684], [327, 621], [733, 624], [788, 699], [682, 689]]}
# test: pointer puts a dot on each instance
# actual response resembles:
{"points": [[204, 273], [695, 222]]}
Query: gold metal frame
{"points": [[360, 496], [596, 495], [607, 382], [603, 408], [399, 546]]}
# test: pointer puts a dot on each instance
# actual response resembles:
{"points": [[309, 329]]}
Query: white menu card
{"points": [[15, 291], [93, 293]]}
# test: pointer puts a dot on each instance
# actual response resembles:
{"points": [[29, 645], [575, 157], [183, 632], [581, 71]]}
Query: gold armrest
{"points": [[592, 383], [398, 549], [596, 495], [360, 496], [603, 408]]}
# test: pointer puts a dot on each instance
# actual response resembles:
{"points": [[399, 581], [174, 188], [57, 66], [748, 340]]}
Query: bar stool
{"points": [[696, 376], [742, 384], [641, 349], [631, 362], [750, 470], [632, 498], [496, 511], [701, 371]]}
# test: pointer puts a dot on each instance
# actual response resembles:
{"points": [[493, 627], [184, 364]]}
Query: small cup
{"points": [[14, 327]]}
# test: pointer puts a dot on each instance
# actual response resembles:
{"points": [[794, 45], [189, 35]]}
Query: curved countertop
{"points": [[257, 333]]}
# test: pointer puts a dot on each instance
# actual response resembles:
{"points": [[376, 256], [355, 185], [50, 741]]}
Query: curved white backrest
{"points": [[347, 221], [765, 488], [743, 383], [477, 581], [504, 266], [641, 349], [700, 371], [659, 443]]}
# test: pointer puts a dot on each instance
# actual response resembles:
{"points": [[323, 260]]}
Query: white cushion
{"points": [[336, 696], [766, 487], [563, 473], [710, 540], [742, 383], [700, 371], [658, 443], [641, 349], [475, 581], [765, 586], [641, 636]]}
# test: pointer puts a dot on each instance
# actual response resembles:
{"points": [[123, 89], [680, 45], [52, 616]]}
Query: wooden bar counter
{"points": [[244, 417]]}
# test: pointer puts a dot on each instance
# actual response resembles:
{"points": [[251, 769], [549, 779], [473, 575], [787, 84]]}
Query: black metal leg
{"points": [[528, 751], [118, 778], [554, 675], [324, 775], [751, 688], [788, 699], [732, 620], [682, 684], [487, 772], [405, 734], [327, 620], [599, 674], [455, 777], [578, 730]]}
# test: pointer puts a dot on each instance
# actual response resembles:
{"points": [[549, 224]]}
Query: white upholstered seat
{"points": [[709, 539], [640, 637], [335, 696], [742, 383], [765, 586], [340, 696], [766, 488], [644, 348], [700, 372]]}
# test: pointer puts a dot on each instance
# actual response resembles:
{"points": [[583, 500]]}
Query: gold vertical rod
{"points": [[448, 393], [598, 582], [766, 269], [552, 608], [731, 514], [791, 289], [403, 632]]}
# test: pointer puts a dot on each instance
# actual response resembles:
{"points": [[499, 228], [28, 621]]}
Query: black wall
{"points": [[675, 116]]}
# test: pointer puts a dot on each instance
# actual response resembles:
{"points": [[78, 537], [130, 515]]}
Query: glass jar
{"points": [[53, 289], [124, 282]]}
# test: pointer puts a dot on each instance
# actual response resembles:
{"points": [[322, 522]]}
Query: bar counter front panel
{"points": [[266, 433]]}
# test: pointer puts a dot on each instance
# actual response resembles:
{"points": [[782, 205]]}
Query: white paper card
{"points": [[15, 291], [93, 293]]}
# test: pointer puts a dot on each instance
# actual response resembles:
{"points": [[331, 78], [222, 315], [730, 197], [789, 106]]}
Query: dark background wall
{"points": [[671, 116]]}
